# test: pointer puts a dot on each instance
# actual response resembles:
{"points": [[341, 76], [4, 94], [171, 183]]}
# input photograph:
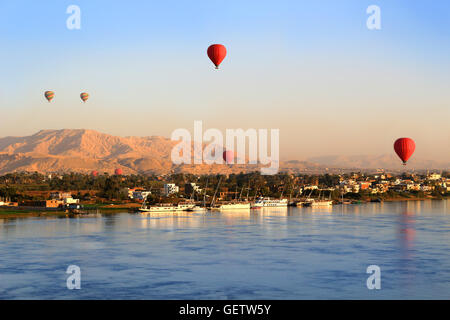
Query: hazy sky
{"points": [[309, 68]]}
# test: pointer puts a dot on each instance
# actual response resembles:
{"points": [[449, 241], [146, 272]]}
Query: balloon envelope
{"points": [[94, 173], [49, 95], [84, 96], [404, 147], [217, 52], [228, 156], [118, 172]]}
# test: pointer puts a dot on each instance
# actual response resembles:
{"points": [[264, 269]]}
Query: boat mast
{"points": [[204, 194], [215, 193], [240, 196]]}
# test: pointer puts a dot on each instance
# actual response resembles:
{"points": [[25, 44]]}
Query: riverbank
{"points": [[10, 213], [18, 212]]}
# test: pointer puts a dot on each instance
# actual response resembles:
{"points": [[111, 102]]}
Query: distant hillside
{"points": [[79, 150], [86, 150], [373, 162]]}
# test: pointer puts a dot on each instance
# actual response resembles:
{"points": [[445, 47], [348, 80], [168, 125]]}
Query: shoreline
{"points": [[11, 213]]}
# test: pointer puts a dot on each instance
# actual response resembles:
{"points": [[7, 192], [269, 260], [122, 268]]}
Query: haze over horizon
{"points": [[312, 70], [82, 150]]}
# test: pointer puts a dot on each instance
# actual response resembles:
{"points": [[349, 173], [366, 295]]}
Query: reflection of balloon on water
{"points": [[228, 156], [49, 95], [94, 173], [404, 147], [217, 52], [84, 96], [118, 172], [407, 229]]}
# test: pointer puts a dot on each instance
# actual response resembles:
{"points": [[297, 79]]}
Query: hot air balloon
{"points": [[49, 95], [94, 173], [84, 96], [217, 53], [404, 147], [118, 172], [228, 156]]}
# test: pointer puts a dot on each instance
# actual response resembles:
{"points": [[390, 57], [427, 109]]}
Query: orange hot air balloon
{"points": [[404, 147], [94, 173], [217, 53], [49, 95], [84, 96], [228, 156], [118, 172]]}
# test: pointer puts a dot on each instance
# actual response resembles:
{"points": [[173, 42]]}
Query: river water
{"points": [[292, 253]]}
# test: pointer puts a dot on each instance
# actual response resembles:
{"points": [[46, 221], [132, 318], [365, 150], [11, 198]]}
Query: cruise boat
{"points": [[162, 207], [268, 202], [233, 206]]}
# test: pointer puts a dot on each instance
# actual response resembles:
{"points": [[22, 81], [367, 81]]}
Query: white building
{"points": [[192, 187], [434, 176], [170, 188]]}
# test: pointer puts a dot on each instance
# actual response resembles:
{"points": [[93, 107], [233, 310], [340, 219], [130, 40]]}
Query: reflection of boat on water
{"points": [[162, 207], [322, 203], [322, 209], [268, 202]]}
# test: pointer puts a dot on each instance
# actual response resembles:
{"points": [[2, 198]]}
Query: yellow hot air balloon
{"points": [[49, 95], [84, 96]]}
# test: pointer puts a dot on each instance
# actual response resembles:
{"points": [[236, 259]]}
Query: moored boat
{"points": [[162, 207], [268, 202], [234, 206]]}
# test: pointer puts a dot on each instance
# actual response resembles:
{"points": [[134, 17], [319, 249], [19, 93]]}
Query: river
{"points": [[291, 253]]}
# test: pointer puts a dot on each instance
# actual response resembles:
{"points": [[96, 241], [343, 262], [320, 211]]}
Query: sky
{"points": [[311, 69]]}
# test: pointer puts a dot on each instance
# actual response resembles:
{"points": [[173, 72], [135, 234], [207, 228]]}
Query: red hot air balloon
{"points": [[228, 156], [118, 172], [217, 52], [84, 96], [94, 173], [404, 147], [49, 95]]}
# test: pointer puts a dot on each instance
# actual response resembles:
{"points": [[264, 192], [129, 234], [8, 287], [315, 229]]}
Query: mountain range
{"points": [[80, 150]]}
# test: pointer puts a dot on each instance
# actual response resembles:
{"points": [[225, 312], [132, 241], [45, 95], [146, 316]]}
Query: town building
{"points": [[190, 188], [170, 188]]}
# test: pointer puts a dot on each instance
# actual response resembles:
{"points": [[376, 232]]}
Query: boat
{"points": [[317, 203], [197, 209], [299, 203], [164, 207], [322, 203], [233, 206], [268, 202]]}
